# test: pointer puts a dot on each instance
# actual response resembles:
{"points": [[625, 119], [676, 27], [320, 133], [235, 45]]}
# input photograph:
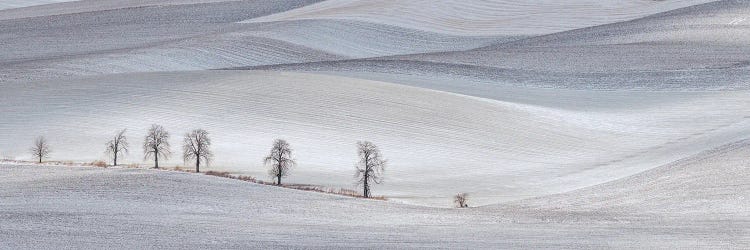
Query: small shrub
{"points": [[461, 200]]}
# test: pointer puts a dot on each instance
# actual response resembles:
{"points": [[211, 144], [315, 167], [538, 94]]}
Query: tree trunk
{"points": [[367, 187], [114, 159], [156, 158], [278, 176], [197, 164], [367, 176], [40, 158], [278, 167], [366, 184]]}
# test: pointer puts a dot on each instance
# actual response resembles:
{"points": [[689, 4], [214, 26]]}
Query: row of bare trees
{"points": [[196, 147], [370, 168]]}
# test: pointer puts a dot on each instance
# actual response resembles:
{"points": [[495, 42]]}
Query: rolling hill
{"points": [[571, 124], [519, 115]]}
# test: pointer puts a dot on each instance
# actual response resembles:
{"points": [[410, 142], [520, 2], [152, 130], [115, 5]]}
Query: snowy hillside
{"points": [[509, 150], [47, 207], [696, 48], [521, 136], [11, 4], [713, 183], [474, 17], [571, 124], [137, 36]]}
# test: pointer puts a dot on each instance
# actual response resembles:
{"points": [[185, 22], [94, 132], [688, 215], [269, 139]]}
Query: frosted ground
{"points": [[683, 205], [623, 125], [26, 3], [453, 142]]}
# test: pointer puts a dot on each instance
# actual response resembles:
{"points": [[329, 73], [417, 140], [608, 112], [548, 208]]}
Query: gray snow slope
{"points": [[84, 207], [702, 47], [12, 4], [135, 36], [711, 184], [493, 17], [625, 128], [508, 150]]}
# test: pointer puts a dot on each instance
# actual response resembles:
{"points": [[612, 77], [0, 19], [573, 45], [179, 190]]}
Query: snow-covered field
{"points": [[697, 48], [507, 150], [572, 123], [11, 4], [681, 205], [472, 17]]}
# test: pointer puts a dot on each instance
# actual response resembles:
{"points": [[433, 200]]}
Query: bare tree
{"points": [[196, 146], [156, 144], [371, 166], [118, 146], [461, 200], [41, 149], [280, 160]]}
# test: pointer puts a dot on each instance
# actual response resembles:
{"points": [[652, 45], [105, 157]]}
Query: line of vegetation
{"points": [[196, 148], [303, 187]]}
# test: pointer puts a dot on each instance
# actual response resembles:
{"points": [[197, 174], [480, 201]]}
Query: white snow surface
{"points": [[711, 184], [507, 150], [477, 17], [696, 202], [685, 49], [178, 36], [573, 124], [11, 4], [64, 7]]}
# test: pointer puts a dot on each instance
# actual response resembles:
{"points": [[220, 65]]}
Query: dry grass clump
{"points": [[330, 190], [245, 178], [182, 169], [219, 174], [303, 187], [231, 176], [100, 164]]}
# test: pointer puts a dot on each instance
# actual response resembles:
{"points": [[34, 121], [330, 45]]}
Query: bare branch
{"points": [[156, 144], [279, 160], [41, 149], [196, 146], [118, 146], [461, 200], [371, 166]]}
